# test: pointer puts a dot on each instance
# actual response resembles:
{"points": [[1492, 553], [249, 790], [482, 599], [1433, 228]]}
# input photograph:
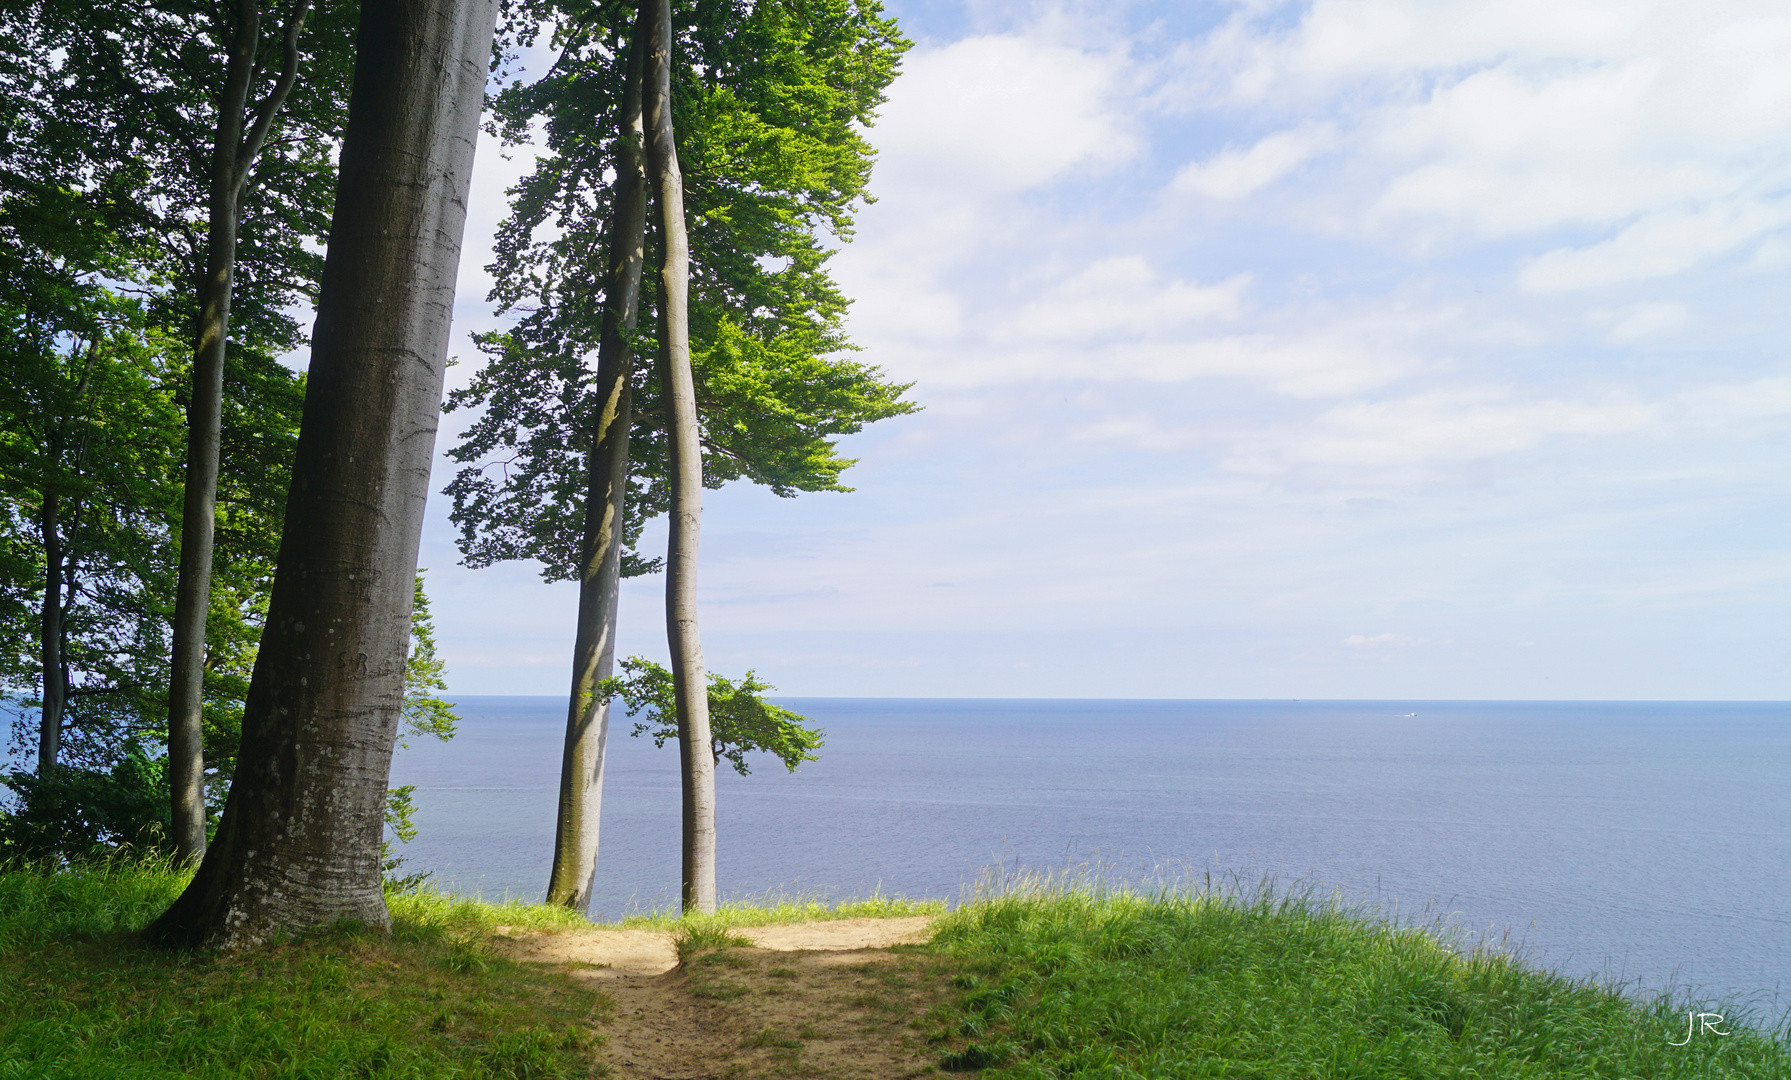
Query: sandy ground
{"points": [[822, 999], [625, 953]]}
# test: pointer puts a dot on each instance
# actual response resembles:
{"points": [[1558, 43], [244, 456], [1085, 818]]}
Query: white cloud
{"points": [[1335, 44], [1300, 366], [1773, 254], [1237, 173], [1120, 295], [1141, 432], [1658, 246], [1408, 436], [1377, 641], [1736, 410], [1648, 320], [1001, 114], [1518, 148], [1487, 121], [1429, 435], [969, 128], [1153, 332]]}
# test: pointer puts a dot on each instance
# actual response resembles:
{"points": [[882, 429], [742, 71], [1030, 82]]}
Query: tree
{"points": [[685, 459], [154, 111], [605, 506], [120, 100], [422, 712], [242, 127], [90, 394], [262, 407], [771, 99], [741, 721], [122, 801], [89, 447], [299, 841]]}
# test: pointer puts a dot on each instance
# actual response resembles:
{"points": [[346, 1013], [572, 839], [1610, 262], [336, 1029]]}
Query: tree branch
{"points": [[264, 113], [79, 691]]}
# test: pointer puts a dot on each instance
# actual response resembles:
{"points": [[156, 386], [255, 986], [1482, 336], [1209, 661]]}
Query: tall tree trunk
{"points": [[55, 695], [232, 156], [299, 843], [600, 574], [690, 682]]}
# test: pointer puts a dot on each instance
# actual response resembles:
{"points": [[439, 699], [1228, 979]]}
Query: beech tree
{"points": [[163, 112], [684, 459], [564, 464], [243, 123], [299, 841], [604, 536], [90, 394]]}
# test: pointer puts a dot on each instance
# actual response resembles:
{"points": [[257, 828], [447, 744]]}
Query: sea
{"points": [[1642, 844]]}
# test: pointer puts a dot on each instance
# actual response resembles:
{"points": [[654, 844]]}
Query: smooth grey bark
{"points": [[299, 842], [233, 152], [689, 680], [55, 692], [600, 573]]}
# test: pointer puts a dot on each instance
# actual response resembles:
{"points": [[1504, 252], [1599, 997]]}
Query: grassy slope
{"points": [[1073, 984], [1054, 984], [79, 999]]}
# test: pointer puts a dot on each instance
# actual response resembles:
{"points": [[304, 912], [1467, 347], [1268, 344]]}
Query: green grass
{"points": [[1068, 982], [424, 908], [80, 998], [1053, 981], [778, 908], [84, 901]]}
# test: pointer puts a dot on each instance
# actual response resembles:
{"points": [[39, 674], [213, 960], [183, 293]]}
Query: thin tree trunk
{"points": [[299, 842], [55, 694], [231, 158], [600, 575], [690, 682]]}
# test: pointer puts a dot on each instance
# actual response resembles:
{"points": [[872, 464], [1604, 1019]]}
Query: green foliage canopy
{"points": [[110, 112], [116, 99], [772, 99], [91, 430], [741, 720], [89, 448]]}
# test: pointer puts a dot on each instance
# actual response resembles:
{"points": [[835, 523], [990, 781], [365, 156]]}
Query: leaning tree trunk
{"points": [[600, 572], [299, 843], [690, 682], [232, 155]]}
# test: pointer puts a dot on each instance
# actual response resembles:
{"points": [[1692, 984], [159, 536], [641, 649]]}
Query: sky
{"points": [[1401, 349]]}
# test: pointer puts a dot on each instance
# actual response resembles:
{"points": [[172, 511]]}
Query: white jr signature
{"points": [[1692, 1022]]}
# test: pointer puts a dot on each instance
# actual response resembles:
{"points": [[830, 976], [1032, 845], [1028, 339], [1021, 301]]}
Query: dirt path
{"points": [[824, 999]]}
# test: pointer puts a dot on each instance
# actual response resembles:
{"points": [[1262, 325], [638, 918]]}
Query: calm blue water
{"points": [[1649, 843]]}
